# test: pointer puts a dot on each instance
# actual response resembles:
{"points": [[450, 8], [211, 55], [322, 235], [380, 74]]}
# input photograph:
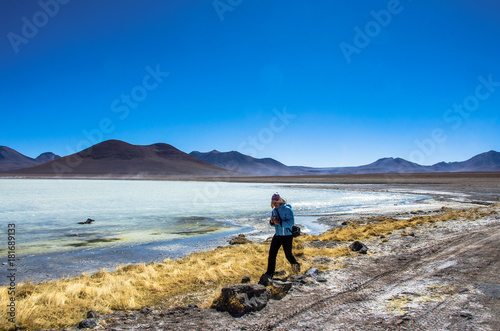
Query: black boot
{"points": [[266, 280]]}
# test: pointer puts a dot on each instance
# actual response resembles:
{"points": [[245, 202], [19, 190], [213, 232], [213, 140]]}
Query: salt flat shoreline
{"points": [[465, 193], [482, 186], [446, 190]]}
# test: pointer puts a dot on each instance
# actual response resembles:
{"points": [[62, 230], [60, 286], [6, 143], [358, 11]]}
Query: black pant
{"points": [[276, 243]]}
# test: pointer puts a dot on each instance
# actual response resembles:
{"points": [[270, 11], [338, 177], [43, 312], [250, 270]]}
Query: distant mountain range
{"points": [[244, 163], [484, 162], [11, 159], [117, 158]]}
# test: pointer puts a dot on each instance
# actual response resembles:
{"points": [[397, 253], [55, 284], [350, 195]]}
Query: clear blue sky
{"points": [[316, 83]]}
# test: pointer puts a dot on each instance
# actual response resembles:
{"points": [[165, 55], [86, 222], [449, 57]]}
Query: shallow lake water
{"points": [[153, 216]]}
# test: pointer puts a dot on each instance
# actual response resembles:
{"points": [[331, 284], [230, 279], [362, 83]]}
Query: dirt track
{"points": [[454, 266], [442, 278]]}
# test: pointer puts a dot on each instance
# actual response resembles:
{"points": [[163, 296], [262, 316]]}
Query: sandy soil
{"points": [[442, 276]]}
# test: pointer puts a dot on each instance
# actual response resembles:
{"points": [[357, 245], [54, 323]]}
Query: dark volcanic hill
{"points": [[114, 158], [384, 165], [391, 165], [484, 162], [46, 157], [11, 159], [245, 163]]}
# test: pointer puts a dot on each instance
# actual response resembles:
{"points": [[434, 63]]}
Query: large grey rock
{"points": [[265, 280], [241, 299], [240, 240], [359, 247], [87, 324]]}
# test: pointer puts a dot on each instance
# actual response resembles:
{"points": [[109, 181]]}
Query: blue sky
{"points": [[316, 83]]}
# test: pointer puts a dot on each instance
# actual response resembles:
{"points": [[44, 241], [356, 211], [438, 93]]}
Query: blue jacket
{"points": [[287, 220]]}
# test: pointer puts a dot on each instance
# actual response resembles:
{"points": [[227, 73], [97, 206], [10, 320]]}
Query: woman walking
{"points": [[282, 220]]}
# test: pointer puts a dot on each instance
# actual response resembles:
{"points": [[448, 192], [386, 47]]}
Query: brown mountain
{"points": [[115, 158], [11, 159], [240, 162], [484, 162], [46, 157]]}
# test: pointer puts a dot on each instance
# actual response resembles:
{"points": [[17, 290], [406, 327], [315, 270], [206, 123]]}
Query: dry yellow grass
{"points": [[64, 302], [382, 226]]}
